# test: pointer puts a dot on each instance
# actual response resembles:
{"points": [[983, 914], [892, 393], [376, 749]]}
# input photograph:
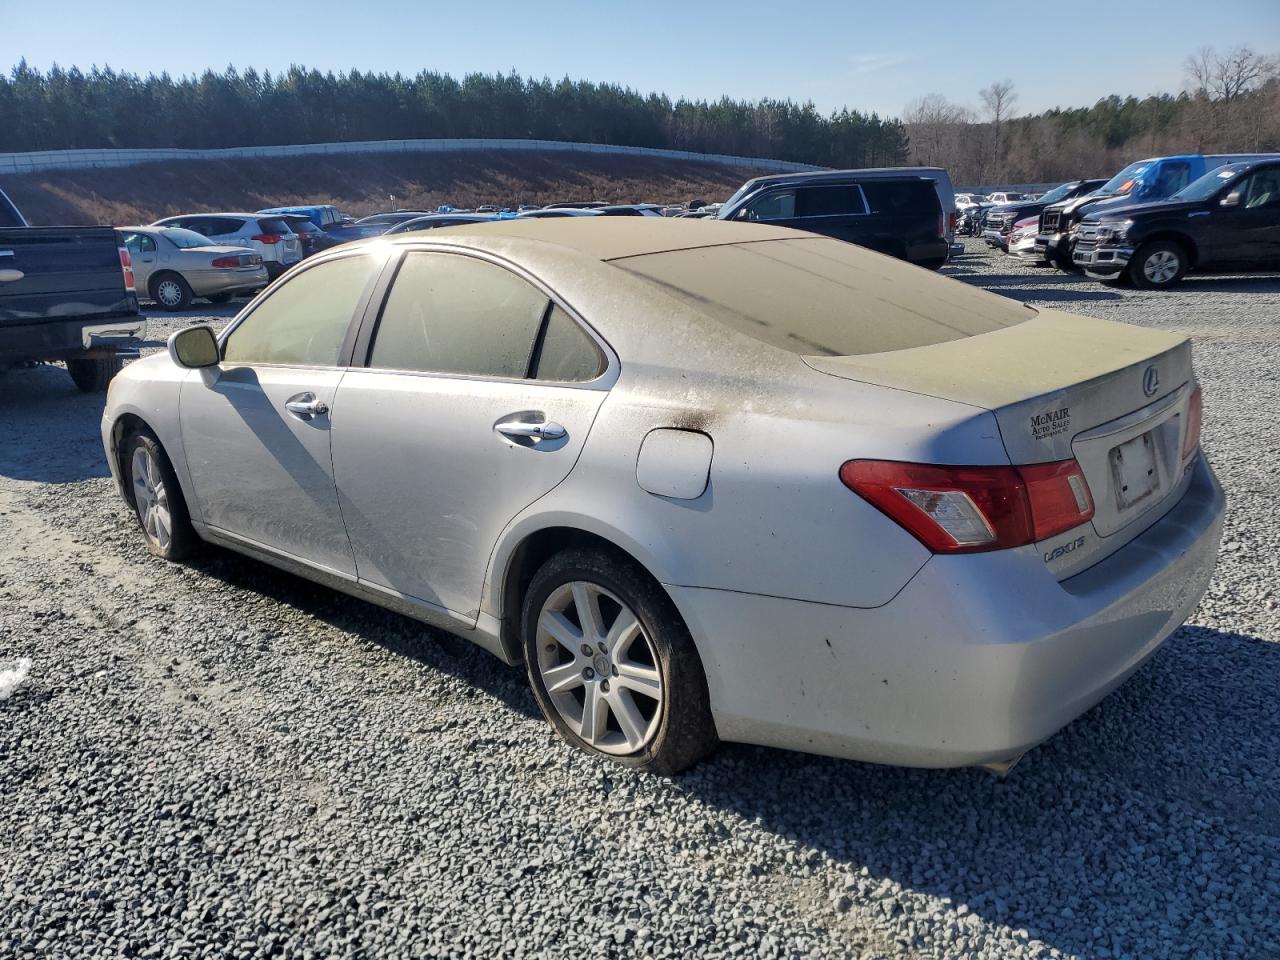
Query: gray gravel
{"points": [[224, 761]]}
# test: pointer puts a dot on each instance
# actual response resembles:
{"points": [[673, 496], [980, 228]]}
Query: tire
{"points": [[932, 264], [170, 292], [219, 298], [1158, 265], [157, 498], [94, 374], [655, 715]]}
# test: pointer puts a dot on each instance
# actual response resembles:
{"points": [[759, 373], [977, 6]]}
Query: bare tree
{"points": [[934, 125], [1218, 83], [999, 99]]}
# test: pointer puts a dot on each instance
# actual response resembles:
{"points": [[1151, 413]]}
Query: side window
{"points": [[901, 197], [304, 321], [220, 226], [449, 313], [1261, 191], [774, 206], [567, 353], [829, 201], [137, 243]]}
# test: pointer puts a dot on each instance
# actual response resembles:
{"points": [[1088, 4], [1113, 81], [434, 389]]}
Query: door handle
{"points": [[524, 429], [305, 406], [9, 276]]}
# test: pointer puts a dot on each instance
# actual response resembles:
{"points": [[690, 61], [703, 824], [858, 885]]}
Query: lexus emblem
{"points": [[1151, 381]]}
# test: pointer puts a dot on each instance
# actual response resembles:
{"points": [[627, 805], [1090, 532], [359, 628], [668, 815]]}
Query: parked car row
{"points": [[1153, 222]]}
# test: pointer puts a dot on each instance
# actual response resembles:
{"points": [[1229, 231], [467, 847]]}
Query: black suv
{"points": [[1227, 221], [897, 210]]}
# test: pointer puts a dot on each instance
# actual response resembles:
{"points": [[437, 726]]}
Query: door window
{"points": [[775, 206], [304, 321], [841, 201], [137, 243], [448, 313], [1261, 191]]}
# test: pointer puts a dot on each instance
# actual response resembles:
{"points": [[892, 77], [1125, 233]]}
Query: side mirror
{"points": [[194, 347], [1232, 199]]}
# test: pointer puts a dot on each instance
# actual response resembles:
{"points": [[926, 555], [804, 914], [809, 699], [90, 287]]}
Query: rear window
{"points": [[822, 297], [274, 225], [898, 197]]}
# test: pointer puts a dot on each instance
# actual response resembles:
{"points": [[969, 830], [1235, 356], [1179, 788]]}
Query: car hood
{"points": [[1127, 210]]}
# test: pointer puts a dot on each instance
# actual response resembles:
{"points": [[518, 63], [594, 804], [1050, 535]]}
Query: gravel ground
{"points": [[220, 760]]}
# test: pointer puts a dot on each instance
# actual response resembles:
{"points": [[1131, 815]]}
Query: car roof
{"points": [[839, 175], [598, 238]]}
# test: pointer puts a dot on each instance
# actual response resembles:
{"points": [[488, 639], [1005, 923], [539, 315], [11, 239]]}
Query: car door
{"points": [[1243, 231], [477, 397], [256, 428], [143, 255]]}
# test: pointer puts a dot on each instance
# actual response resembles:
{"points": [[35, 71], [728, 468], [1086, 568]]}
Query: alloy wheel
{"points": [[599, 668], [151, 498], [1161, 267]]}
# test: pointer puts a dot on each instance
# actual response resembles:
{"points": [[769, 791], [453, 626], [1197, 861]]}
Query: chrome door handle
{"points": [[534, 431], [306, 406], [6, 253]]}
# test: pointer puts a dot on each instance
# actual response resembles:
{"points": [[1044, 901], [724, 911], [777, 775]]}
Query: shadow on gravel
{"points": [[1135, 829], [48, 429], [398, 634]]}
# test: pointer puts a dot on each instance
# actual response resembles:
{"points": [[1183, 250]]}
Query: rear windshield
{"points": [[274, 225], [822, 297], [186, 239]]}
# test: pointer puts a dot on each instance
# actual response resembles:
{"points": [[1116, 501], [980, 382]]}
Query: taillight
{"points": [[227, 263], [126, 267], [1195, 416], [268, 237], [971, 509], [954, 220]]}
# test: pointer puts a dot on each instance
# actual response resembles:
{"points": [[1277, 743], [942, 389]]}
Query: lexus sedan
{"points": [[706, 480]]}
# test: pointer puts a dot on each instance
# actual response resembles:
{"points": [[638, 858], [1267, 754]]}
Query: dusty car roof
{"points": [[612, 238]]}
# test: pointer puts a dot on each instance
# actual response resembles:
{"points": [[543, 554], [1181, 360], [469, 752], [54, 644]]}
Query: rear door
{"points": [[256, 428], [143, 254], [477, 398]]}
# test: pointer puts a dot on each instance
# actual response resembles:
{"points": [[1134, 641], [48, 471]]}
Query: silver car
{"points": [[172, 265], [707, 481]]}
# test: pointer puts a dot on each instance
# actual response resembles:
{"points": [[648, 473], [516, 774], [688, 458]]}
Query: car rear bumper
{"points": [[977, 659], [206, 282], [62, 339]]}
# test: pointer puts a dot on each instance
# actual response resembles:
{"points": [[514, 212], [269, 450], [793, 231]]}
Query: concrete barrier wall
{"points": [[18, 163]]}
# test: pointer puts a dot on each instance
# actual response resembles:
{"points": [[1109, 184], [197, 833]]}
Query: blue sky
{"points": [[868, 55]]}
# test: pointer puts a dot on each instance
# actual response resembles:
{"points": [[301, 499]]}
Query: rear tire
{"points": [[171, 292], [629, 656], [157, 498], [1158, 265], [219, 298], [92, 375]]}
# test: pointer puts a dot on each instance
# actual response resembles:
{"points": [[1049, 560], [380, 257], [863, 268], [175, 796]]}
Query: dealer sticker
{"points": [[1051, 424]]}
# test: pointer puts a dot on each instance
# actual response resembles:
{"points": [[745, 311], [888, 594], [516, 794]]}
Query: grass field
{"points": [[362, 184]]}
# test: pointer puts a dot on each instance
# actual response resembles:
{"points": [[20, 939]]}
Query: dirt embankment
{"points": [[362, 184]]}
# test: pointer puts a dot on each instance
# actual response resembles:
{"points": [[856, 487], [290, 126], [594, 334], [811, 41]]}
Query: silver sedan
{"points": [[706, 481], [172, 265]]}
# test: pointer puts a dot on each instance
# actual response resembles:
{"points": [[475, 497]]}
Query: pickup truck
{"points": [[1228, 220], [1000, 219], [66, 294], [1144, 181]]}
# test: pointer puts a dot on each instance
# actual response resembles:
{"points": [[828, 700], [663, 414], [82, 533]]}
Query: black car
{"points": [[313, 238], [898, 210], [1001, 218], [1227, 221]]}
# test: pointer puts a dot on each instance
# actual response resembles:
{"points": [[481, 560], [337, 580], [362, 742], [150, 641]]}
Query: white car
{"points": [[1004, 196], [268, 234], [707, 480]]}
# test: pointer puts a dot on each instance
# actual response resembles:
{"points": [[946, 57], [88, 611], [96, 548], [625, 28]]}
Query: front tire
{"points": [[92, 375], [157, 498], [1158, 265], [612, 665], [171, 292]]}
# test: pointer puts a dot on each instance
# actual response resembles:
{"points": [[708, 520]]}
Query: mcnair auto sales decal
{"points": [[1050, 424]]}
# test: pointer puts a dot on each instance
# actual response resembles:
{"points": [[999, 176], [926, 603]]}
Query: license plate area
{"points": [[1134, 473]]}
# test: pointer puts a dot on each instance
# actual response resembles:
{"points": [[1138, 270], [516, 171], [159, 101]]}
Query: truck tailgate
{"points": [[54, 273]]}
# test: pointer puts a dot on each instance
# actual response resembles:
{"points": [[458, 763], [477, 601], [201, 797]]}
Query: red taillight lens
{"points": [[226, 263], [971, 509], [954, 221], [1195, 416], [268, 237], [126, 267]]}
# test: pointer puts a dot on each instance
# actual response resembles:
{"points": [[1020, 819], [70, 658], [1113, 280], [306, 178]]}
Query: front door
{"points": [[476, 401], [257, 427], [1244, 227]]}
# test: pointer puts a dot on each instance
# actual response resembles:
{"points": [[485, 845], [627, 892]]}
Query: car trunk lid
{"points": [[1112, 396]]}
